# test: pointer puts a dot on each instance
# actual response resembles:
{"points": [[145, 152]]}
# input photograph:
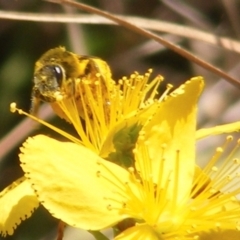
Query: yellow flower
{"points": [[110, 114], [112, 120], [166, 195], [17, 203], [81, 88]]}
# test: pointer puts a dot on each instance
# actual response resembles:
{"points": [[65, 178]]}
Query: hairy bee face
{"points": [[47, 82], [56, 72]]}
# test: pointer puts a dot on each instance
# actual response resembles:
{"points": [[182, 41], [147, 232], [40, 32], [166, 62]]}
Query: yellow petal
{"points": [[73, 183], [220, 235], [138, 232], [17, 203], [170, 139], [226, 128]]}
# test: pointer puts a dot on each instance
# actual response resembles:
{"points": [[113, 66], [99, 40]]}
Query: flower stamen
{"points": [[13, 108]]}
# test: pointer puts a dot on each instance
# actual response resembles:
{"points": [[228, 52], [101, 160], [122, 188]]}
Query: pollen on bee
{"points": [[58, 96]]}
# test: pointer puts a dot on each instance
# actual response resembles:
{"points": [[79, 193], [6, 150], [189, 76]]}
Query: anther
{"points": [[109, 207], [99, 162], [120, 82], [193, 209], [238, 228], [131, 169], [146, 143], [229, 138], [212, 190], [194, 226], [219, 150], [59, 98], [141, 135], [133, 76], [218, 225], [13, 107], [150, 70], [229, 177], [164, 146], [98, 75], [214, 169], [236, 161], [147, 75]]}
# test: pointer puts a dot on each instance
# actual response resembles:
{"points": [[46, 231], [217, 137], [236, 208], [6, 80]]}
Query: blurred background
{"points": [[23, 42]]}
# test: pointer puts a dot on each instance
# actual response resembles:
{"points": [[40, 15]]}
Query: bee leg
{"points": [[35, 102]]}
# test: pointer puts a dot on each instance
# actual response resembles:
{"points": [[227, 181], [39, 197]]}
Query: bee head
{"points": [[47, 82]]}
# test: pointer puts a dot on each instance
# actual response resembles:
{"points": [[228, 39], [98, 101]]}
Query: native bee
{"points": [[56, 72]]}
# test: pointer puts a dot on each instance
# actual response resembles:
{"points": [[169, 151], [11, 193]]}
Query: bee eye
{"points": [[58, 74]]}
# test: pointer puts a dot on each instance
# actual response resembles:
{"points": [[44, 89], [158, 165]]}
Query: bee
{"points": [[56, 72]]}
